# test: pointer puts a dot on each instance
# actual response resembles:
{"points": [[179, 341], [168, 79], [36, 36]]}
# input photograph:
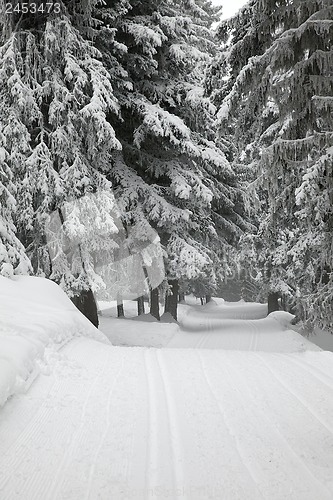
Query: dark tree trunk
{"points": [[141, 305], [171, 301], [166, 302], [273, 302], [120, 307], [181, 297], [208, 298], [202, 301], [154, 303], [86, 303]]}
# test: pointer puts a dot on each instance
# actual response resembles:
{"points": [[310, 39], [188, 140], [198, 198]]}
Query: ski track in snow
{"points": [[230, 428], [303, 400], [175, 436], [118, 423], [275, 444]]}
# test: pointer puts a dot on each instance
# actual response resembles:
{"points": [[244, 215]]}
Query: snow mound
{"points": [[35, 316], [283, 317]]}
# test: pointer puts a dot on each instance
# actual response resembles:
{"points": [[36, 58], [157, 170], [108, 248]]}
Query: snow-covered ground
{"points": [[217, 325], [36, 319], [322, 338], [249, 420]]}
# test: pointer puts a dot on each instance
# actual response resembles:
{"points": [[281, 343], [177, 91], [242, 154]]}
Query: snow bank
{"points": [[282, 317], [35, 315]]}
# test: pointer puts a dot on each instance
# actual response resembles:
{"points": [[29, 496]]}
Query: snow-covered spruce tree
{"points": [[281, 101], [171, 173], [13, 259], [55, 94]]}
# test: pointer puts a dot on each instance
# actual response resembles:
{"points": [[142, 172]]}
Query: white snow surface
{"points": [[36, 318], [228, 421], [217, 325]]}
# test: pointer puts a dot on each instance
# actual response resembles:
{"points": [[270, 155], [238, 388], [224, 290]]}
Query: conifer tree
{"points": [[281, 101], [13, 258], [55, 96], [171, 172]]}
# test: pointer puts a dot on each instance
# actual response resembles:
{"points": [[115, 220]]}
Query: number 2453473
{"points": [[33, 8]]}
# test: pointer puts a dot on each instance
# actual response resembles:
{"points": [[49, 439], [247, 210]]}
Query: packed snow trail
{"points": [[134, 423], [115, 423], [238, 326], [217, 325]]}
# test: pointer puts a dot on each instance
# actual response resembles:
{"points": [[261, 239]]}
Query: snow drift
{"points": [[35, 316]]}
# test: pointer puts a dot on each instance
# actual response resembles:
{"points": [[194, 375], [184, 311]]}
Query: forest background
{"points": [[143, 152]]}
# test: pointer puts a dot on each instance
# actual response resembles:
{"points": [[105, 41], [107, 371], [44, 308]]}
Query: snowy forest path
{"points": [[141, 423], [236, 326]]}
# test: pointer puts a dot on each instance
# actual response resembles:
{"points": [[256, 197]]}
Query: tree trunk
{"points": [[171, 301], [120, 307], [208, 298], [86, 303], [202, 301], [154, 303], [166, 302], [141, 305], [181, 297], [273, 302]]}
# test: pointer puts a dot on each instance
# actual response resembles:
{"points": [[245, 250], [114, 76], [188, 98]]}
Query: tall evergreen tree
{"points": [[171, 172], [55, 94], [13, 258], [281, 101]]}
